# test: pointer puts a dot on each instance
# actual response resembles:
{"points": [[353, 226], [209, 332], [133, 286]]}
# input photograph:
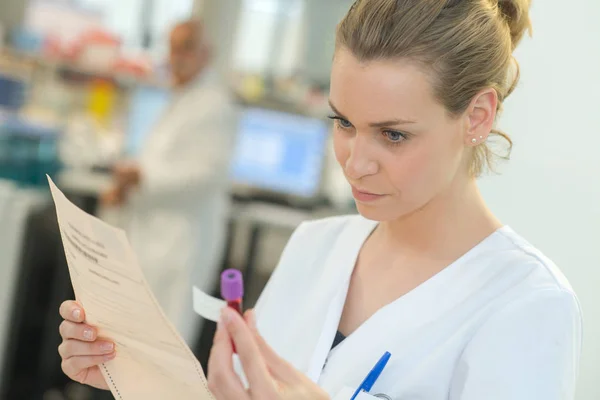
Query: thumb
{"points": [[250, 318], [222, 335]]}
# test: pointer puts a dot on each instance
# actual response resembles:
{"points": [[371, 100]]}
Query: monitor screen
{"points": [[280, 152], [12, 92], [146, 105]]}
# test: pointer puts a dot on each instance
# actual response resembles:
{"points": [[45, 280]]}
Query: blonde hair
{"points": [[465, 45]]}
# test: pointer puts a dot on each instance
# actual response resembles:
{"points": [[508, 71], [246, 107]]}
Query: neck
{"points": [[180, 83], [446, 227]]}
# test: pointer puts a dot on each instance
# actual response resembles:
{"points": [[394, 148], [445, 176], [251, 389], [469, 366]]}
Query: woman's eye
{"points": [[344, 123], [394, 136], [341, 122]]}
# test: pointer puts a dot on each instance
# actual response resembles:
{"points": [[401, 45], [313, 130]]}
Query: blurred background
{"points": [[85, 84]]}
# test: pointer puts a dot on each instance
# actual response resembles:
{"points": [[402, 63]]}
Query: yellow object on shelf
{"points": [[102, 99], [253, 88]]}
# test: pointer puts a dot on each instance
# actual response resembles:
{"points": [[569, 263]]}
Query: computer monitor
{"points": [[146, 105], [280, 152], [12, 92]]}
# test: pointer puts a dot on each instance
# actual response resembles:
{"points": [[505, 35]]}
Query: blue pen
{"points": [[372, 377]]}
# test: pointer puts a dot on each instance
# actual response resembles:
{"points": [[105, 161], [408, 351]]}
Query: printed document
{"points": [[153, 362]]}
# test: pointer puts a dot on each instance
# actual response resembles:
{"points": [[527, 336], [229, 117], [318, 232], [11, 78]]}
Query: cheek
{"points": [[407, 169], [431, 166], [416, 171], [340, 148]]}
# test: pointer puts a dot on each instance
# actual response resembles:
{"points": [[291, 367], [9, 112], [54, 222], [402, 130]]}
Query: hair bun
{"points": [[516, 15]]}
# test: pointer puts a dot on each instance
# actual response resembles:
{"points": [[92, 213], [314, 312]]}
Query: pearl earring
{"points": [[473, 140], [481, 137]]}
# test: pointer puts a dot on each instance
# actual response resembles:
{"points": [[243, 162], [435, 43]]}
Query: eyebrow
{"points": [[392, 122]]}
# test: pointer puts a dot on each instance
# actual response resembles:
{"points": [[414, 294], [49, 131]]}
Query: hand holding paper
{"points": [[81, 350], [152, 361], [116, 336]]}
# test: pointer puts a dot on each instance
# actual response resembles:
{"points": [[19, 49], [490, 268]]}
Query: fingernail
{"points": [[76, 314], [88, 334], [225, 315], [107, 347], [109, 357]]}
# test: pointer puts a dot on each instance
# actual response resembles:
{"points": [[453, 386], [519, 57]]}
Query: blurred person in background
{"points": [[176, 192]]}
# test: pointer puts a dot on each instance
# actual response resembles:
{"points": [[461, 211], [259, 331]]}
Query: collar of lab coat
{"points": [[315, 328], [401, 321], [305, 340]]}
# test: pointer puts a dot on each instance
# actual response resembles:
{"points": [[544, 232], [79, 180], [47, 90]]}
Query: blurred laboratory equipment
{"points": [[280, 153]]}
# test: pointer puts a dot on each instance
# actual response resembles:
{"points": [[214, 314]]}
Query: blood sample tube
{"points": [[232, 289]]}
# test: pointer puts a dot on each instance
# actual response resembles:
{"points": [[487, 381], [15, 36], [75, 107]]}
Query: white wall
{"points": [[124, 18], [550, 190], [322, 18], [220, 18]]}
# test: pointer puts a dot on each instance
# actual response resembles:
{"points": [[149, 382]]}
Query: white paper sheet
{"points": [[153, 362], [207, 306]]}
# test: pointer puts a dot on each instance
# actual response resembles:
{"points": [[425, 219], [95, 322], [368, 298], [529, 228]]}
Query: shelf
{"points": [[64, 67]]}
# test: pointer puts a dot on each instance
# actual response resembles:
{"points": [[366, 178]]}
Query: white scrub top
{"points": [[499, 323]]}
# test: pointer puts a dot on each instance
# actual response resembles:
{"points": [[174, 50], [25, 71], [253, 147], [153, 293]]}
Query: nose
{"points": [[360, 163]]}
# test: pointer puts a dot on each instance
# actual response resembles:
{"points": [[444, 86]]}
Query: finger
{"points": [[73, 366], [223, 382], [75, 348], [221, 335], [250, 318], [255, 368], [71, 330], [72, 311], [280, 369]]}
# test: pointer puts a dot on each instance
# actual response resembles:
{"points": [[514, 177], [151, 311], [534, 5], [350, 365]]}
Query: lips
{"points": [[365, 196]]}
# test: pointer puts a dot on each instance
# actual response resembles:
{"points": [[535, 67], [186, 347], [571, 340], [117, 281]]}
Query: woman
{"points": [[468, 309]]}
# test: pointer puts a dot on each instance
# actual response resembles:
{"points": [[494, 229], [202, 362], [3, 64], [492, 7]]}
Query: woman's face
{"points": [[399, 147]]}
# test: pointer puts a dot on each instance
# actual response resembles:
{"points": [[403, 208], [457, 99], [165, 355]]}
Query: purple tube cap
{"points": [[232, 285]]}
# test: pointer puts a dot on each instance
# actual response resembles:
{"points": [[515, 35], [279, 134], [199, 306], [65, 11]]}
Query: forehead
{"points": [[378, 90], [183, 34]]}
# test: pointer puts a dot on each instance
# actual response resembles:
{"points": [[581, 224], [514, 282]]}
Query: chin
{"points": [[376, 212]]}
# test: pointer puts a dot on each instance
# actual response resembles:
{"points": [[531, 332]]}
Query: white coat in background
{"points": [[499, 323], [179, 214]]}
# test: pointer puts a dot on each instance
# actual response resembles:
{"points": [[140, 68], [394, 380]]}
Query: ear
{"points": [[481, 115]]}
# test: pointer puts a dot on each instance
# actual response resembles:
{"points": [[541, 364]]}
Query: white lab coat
{"points": [[179, 214], [499, 323]]}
